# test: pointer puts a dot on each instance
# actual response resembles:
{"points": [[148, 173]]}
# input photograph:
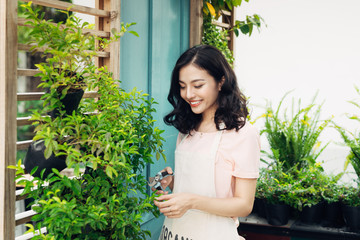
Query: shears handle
{"points": [[162, 174]]}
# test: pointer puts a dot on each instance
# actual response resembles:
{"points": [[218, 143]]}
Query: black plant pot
{"points": [[277, 214], [351, 217], [313, 214], [35, 157], [260, 207], [333, 216], [70, 103]]}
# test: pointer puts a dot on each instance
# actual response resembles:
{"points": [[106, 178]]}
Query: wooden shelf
{"points": [[258, 228]]}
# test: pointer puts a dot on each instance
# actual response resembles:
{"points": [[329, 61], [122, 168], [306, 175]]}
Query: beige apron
{"points": [[195, 174]]}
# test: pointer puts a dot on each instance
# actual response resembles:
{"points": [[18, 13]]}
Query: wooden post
{"points": [[107, 24], [196, 22], [8, 108]]}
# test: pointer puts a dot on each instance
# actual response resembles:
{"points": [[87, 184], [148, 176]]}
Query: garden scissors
{"points": [[155, 182]]}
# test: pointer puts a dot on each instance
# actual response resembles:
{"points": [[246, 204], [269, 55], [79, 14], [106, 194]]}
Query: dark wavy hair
{"points": [[232, 110]]}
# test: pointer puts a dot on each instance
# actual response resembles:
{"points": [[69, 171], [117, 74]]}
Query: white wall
{"points": [[88, 3], [308, 45]]}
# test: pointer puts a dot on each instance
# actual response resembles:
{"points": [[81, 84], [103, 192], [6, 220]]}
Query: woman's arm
{"points": [[175, 205]]}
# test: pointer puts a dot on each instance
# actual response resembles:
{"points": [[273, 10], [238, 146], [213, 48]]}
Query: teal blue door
{"points": [[146, 63]]}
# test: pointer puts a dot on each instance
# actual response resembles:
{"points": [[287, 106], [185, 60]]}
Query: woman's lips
{"points": [[194, 103]]}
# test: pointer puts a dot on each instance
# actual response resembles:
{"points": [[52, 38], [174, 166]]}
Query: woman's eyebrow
{"points": [[195, 80]]}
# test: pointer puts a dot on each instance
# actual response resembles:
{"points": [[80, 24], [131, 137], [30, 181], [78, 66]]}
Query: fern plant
{"points": [[352, 139], [295, 137]]}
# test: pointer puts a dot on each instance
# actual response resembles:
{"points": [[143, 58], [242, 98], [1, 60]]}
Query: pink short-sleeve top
{"points": [[238, 155]]}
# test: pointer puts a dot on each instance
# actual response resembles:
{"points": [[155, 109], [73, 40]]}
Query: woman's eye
{"points": [[199, 86], [182, 87]]}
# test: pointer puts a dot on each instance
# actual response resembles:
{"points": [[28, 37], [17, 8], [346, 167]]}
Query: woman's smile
{"points": [[194, 103]]}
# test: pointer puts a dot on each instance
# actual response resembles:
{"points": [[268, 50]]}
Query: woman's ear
{"points": [[221, 82]]}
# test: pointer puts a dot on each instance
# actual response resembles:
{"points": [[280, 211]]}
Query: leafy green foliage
{"points": [[352, 140], [296, 188], [350, 195], [276, 186], [112, 138], [332, 189], [295, 138], [293, 176], [214, 7], [24, 35], [217, 37]]}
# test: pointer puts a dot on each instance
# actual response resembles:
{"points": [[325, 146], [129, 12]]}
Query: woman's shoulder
{"points": [[248, 133], [247, 130], [246, 139]]}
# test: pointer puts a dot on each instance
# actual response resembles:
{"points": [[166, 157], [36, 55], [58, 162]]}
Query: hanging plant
{"points": [[218, 37]]}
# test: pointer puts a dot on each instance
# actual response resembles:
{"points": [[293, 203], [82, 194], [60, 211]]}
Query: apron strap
{"points": [[183, 137], [216, 143]]}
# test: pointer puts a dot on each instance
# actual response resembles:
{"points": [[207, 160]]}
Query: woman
{"points": [[217, 154]]}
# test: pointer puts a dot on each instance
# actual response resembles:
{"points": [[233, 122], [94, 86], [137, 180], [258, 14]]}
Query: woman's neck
{"points": [[207, 125]]}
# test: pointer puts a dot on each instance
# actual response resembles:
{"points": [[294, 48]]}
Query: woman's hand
{"points": [[174, 205], [166, 181]]}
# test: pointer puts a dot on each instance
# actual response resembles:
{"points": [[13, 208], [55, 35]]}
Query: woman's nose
{"points": [[189, 93]]}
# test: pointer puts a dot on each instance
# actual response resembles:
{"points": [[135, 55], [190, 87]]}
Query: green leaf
{"points": [[157, 155], [236, 31], [109, 171], [48, 152], [12, 167], [134, 33], [34, 170]]}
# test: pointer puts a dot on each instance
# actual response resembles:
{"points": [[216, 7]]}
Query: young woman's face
{"points": [[199, 89]]}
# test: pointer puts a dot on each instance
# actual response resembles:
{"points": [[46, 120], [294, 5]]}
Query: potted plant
{"points": [[259, 202], [350, 200], [108, 150], [69, 61], [332, 197], [277, 187], [294, 150], [311, 183], [295, 138], [351, 194]]}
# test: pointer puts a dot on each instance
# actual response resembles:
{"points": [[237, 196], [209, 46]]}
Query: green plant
{"points": [[72, 53], [295, 187], [215, 8], [350, 195], [217, 37], [108, 148], [352, 140], [295, 138], [331, 189], [276, 186], [310, 186]]}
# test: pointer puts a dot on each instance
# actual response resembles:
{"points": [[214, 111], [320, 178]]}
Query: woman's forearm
{"points": [[228, 207], [176, 204]]}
